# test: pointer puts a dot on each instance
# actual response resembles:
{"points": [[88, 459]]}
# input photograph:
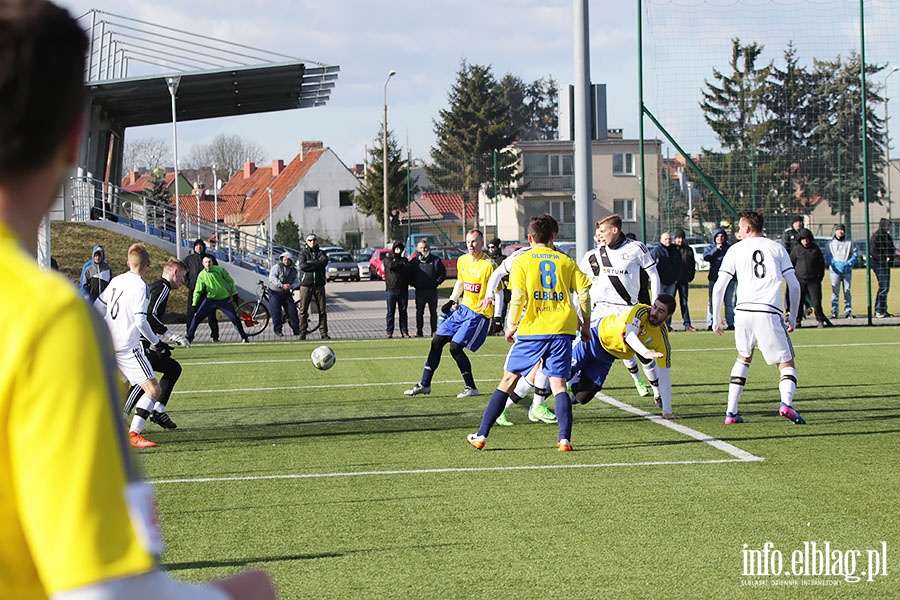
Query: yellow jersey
{"points": [[548, 278], [474, 275], [63, 509], [611, 330]]}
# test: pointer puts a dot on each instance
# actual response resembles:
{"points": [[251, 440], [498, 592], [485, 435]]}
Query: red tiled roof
{"points": [[142, 183], [440, 207]]}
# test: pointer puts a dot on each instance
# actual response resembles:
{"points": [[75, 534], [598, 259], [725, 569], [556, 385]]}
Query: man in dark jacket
{"points": [[881, 247], [427, 272], [688, 271], [714, 254], [95, 274], [809, 264], [668, 265], [791, 235], [396, 286], [283, 280], [311, 263], [194, 264]]}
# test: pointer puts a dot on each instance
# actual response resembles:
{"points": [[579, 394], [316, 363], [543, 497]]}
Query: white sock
{"points": [[632, 366], [159, 407], [523, 386], [138, 422], [788, 385], [736, 386]]}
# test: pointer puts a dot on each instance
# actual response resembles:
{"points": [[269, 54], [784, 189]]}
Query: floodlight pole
{"points": [[384, 161], [172, 84], [887, 141], [270, 228], [215, 204]]}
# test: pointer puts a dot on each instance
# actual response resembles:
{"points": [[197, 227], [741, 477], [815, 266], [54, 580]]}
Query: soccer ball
{"points": [[323, 358]]}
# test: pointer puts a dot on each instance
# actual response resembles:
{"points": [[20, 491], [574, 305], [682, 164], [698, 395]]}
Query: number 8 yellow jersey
{"points": [[548, 278]]}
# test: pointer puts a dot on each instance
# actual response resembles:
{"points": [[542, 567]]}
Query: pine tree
{"points": [[476, 124], [287, 233], [370, 200], [158, 192]]}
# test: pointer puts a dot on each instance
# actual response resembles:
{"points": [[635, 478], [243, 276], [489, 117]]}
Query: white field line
{"points": [[738, 454], [187, 361]]}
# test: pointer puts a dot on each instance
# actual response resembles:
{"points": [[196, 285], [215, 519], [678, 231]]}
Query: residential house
{"points": [[315, 188]]}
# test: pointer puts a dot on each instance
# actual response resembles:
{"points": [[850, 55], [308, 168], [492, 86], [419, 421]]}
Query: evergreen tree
{"points": [[370, 200], [158, 192], [476, 124], [542, 97], [287, 233]]}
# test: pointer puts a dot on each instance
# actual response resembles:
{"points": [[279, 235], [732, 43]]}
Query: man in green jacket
{"points": [[216, 289]]}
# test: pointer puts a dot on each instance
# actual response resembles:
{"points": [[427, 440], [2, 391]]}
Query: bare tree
{"points": [[146, 153], [227, 152]]}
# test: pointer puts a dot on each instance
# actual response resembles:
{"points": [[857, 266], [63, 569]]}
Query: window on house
{"points": [[623, 163], [345, 198], [625, 208], [311, 199]]}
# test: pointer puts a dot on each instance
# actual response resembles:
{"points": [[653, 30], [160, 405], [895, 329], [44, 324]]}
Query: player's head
{"points": [[475, 242], [750, 223], [608, 229], [207, 262], [542, 229], [42, 52], [138, 258], [663, 308], [173, 271]]}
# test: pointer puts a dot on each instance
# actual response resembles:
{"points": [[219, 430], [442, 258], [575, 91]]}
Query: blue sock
{"points": [[564, 415], [494, 408]]}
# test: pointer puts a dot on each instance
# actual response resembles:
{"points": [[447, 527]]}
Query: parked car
{"points": [[341, 265], [448, 255], [699, 263], [329, 249], [376, 263], [362, 261]]}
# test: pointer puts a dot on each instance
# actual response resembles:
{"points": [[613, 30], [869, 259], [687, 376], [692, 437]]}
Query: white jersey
{"points": [[759, 265], [615, 274], [123, 305], [502, 270]]}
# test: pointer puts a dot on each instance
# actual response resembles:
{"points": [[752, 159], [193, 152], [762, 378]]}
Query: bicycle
{"points": [[254, 314]]}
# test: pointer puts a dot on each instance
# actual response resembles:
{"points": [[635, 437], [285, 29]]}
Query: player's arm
{"points": [[718, 298], [583, 289], [140, 320], [493, 284], [790, 277], [516, 303], [655, 283], [634, 342]]}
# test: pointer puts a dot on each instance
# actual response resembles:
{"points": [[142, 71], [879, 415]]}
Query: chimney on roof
{"points": [[249, 169], [133, 177], [277, 167], [307, 147]]}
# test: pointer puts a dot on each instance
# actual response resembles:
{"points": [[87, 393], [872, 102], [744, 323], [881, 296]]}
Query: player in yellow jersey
{"points": [[543, 322], [640, 333], [76, 521], [468, 325]]}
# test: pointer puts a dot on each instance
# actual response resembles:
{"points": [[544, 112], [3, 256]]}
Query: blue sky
{"points": [[423, 41]]}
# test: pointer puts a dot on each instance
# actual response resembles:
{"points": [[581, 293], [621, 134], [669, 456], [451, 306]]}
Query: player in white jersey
{"points": [[123, 305], [761, 266], [614, 269]]}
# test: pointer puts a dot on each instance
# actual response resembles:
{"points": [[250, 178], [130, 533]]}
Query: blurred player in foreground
{"points": [[77, 522]]}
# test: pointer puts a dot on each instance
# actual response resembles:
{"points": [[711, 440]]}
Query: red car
{"points": [[376, 263], [448, 256]]}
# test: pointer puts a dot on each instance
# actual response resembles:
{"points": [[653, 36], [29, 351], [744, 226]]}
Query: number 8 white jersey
{"points": [[759, 265]]}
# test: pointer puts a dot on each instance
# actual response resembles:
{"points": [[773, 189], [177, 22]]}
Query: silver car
{"points": [[341, 265]]}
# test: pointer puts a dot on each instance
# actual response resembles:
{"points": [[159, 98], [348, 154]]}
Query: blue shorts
{"points": [[591, 360], [467, 328], [556, 350]]}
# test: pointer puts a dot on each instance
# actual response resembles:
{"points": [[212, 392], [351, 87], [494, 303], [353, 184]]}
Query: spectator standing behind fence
{"points": [[283, 280], [881, 249], [396, 286], [95, 274], [688, 272], [668, 265], [841, 255], [791, 235], [194, 263], [311, 263], [714, 254], [427, 272], [809, 265]]}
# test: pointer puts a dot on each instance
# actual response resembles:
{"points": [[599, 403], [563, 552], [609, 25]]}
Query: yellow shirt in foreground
{"points": [[548, 278], [655, 337], [474, 275], [63, 513]]}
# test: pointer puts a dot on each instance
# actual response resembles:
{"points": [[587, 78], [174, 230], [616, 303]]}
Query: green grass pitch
{"points": [[342, 487]]}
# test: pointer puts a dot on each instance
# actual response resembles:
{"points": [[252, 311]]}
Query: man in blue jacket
{"points": [[841, 255], [714, 254], [95, 274]]}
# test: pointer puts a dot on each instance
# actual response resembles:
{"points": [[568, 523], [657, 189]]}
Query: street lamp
{"points": [[887, 137], [172, 84], [384, 160], [215, 204], [690, 185], [269, 232]]}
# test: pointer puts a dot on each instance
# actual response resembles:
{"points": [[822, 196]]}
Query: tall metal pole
{"points": [[215, 203], [690, 185], [269, 228], [584, 188], [172, 83], [384, 161], [887, 140], [865, 152], [641, 165]]}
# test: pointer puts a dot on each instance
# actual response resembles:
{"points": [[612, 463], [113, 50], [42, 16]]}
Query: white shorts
{"points": [[763, 329], [134, 365]]}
